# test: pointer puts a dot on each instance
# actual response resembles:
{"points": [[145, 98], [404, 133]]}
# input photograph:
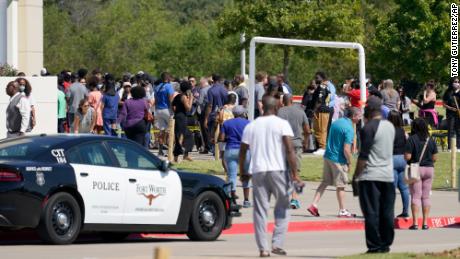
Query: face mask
{"points": [[22, 88], [99, 86], [456, 85]]}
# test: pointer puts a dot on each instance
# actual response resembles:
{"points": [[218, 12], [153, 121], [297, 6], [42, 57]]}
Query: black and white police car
{"points": [[62, 185]]}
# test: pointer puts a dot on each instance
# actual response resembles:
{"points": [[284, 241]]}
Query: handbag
{"points": [[412, 171]]}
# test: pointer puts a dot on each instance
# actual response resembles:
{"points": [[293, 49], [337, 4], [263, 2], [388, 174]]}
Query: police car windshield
{"points": [[26, 148]]}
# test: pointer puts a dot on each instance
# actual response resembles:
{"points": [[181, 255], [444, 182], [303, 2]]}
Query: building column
{"points": [[3, 30], [30, 31], [12, 33]]}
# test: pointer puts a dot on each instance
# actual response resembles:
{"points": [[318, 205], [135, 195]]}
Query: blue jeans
{"points": [[107, 124], [232, 157], [211, 131], [70, 120], [399, 165]]}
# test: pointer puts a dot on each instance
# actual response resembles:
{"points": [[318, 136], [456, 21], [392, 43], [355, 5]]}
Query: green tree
{"points": [[296, 19], [188, 11], [412, 42], [7, 70], [119, 38], [194, 49], [57, 38]]}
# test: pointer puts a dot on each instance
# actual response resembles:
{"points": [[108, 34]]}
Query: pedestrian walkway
{"points": [[444, 203]]}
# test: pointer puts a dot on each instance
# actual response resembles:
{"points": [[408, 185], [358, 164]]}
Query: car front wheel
{"points": [[60, 221], [208, 217]]}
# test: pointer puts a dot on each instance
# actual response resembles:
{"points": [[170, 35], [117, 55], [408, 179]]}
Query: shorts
{"points": [[335, 174], [246, 184], [222, 146], [162, 119]]}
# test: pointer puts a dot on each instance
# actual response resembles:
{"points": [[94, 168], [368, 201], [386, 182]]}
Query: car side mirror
{"points": [[165, 165]]}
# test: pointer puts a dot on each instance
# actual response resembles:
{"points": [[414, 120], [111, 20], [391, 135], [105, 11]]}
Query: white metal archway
{"points": [[305, 43]]}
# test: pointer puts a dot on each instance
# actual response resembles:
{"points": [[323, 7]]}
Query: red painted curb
{"points": [[326, 225], [248, 228], [435, 222]]}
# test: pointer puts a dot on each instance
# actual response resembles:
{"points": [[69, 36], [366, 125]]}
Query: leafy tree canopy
{"points": [[403, 39]]}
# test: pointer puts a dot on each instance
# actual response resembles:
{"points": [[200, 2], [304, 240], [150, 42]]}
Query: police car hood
{"points": [[201, 177]]}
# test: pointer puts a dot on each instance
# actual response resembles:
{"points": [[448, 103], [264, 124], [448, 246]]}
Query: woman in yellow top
{"points": [[225, 113]]}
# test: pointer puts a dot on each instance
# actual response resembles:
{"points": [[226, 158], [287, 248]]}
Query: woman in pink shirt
{"points": [[94, 100]]}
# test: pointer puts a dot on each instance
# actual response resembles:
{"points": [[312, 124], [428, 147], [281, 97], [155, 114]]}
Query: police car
{"points": [[62, 185]]}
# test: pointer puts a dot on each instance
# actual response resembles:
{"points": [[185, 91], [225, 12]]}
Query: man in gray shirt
{"points": [[259, 91], [202, 102], [75, 94], [299, 124], [374, 173], [390, 95], [241, 90]]}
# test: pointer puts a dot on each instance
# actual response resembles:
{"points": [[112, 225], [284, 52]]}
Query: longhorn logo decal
{"points": [[150, 197], [150, 192]]}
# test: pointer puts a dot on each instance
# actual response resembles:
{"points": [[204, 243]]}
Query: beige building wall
{"points": [[30, 25]]}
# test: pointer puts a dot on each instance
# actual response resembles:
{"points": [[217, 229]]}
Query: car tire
{"points": [[208, 217], [60, 221], [113, 236]]}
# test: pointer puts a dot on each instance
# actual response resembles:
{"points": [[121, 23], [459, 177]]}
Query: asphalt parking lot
{"points": [[326, 244]]}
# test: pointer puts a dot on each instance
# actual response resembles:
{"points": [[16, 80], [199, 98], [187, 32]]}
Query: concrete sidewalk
{"points": [[444, 203]]}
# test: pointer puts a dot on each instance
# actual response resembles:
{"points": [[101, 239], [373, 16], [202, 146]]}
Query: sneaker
{"points": [[378, 251], [413, 227], [264, 254], [278, 251], [319, 152], [346, 214], [313, 210], [295, 204], [403, 215], [247, 204]]}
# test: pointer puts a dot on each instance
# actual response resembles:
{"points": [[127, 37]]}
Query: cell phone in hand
{"points": [[298, 187]]}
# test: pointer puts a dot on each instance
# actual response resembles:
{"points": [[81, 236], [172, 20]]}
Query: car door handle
{"points": [[131, 180], [83, 174]]}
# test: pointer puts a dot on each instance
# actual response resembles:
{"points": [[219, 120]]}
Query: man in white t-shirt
{"points": [[268, 139]]}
